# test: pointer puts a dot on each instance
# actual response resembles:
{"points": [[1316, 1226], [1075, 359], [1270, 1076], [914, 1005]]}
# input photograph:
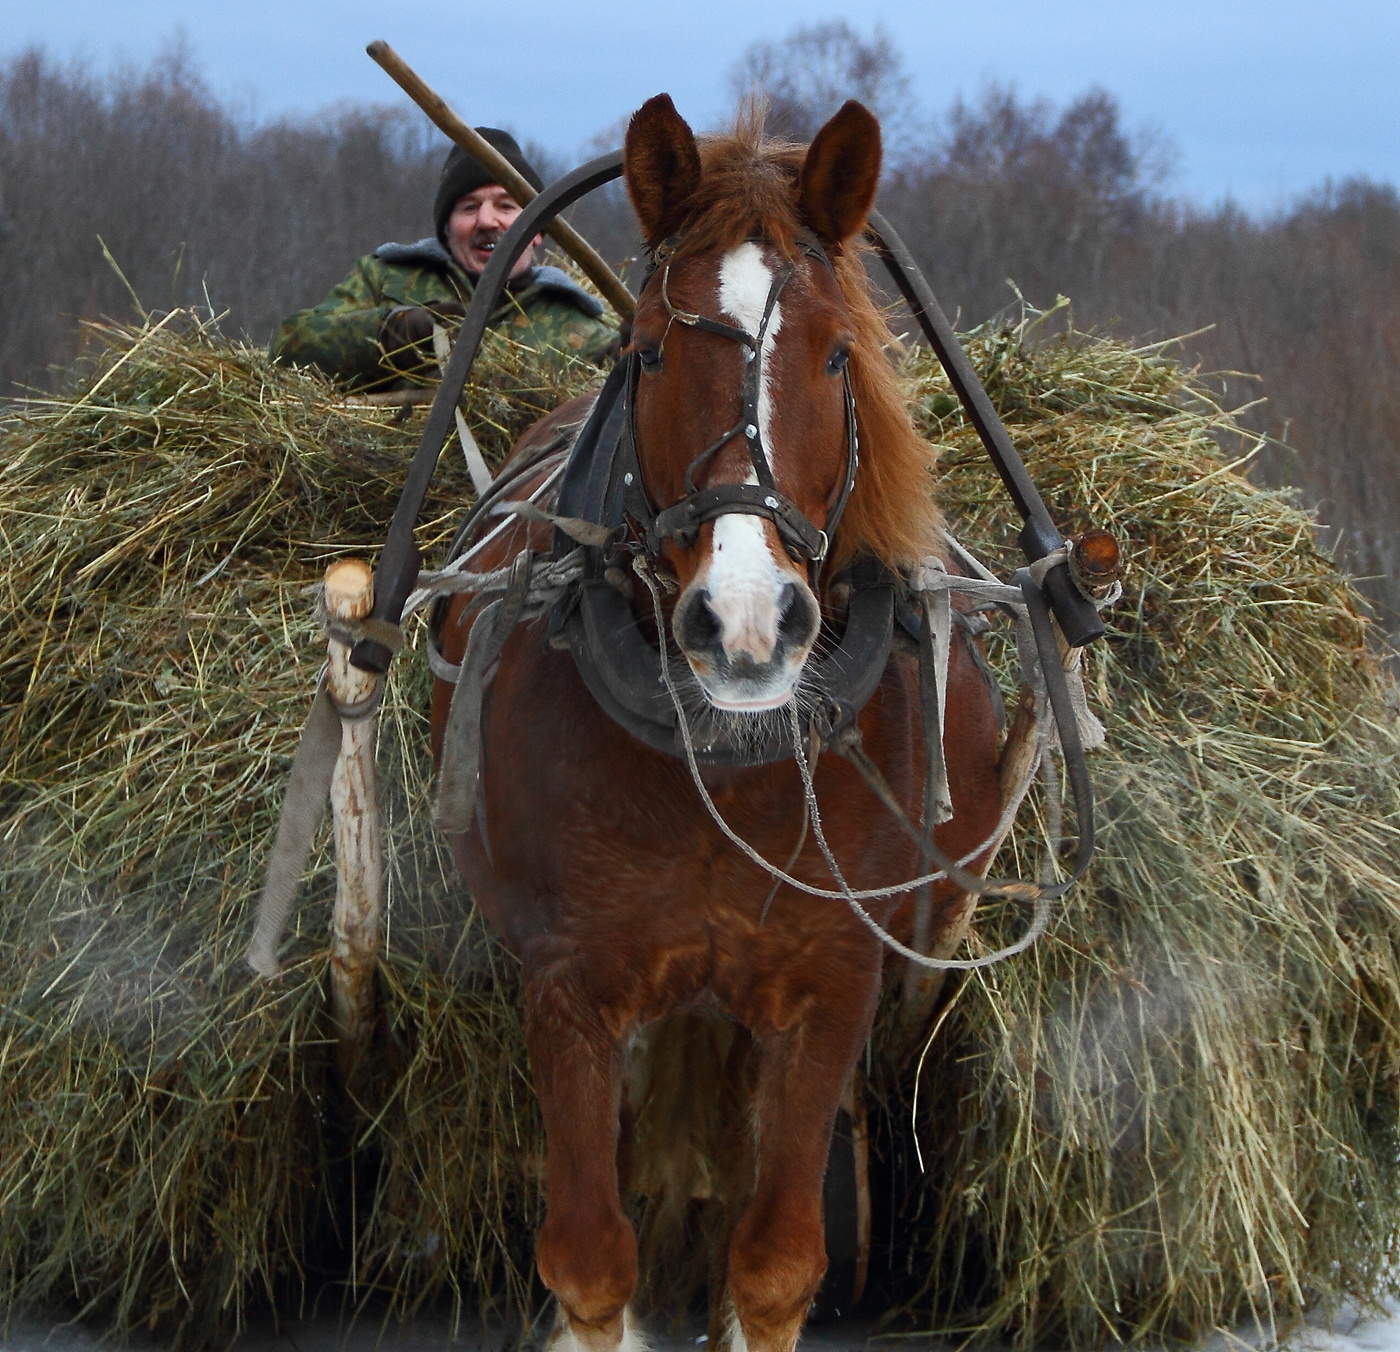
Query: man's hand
{"points": [[407, 332]]}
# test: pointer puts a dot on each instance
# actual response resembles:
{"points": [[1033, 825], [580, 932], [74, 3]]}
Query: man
{"points": [[375, 328]]}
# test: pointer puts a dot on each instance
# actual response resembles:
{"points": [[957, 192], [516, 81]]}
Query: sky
{"points": [[1263, 100]]}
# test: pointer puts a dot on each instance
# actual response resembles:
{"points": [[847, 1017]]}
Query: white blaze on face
{"points": [[744, 283], [743, 577]]}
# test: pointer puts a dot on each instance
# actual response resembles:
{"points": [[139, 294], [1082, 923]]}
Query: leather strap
{"points": [[622, 671]]}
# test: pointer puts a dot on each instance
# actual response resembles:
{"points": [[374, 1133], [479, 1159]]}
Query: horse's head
{"points": [[744, 419]]}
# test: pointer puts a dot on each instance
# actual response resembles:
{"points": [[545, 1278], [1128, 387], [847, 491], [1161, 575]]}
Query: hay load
{"points": [[1177, 1111], [170, 1127], [1181, 1111]]}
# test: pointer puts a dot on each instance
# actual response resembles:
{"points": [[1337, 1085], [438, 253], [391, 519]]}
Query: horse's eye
{"points": [[650, 358], [836, 363]]}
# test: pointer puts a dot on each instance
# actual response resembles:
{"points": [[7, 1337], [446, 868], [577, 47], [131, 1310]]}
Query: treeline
{"points": [[1305, 301], [194, 204]]}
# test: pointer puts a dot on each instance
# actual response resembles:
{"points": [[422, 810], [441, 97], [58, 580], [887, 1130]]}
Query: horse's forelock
{"points": [[746, 190]]}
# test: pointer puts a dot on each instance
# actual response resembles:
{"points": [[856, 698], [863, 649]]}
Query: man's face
{"points": [[478, 221]]}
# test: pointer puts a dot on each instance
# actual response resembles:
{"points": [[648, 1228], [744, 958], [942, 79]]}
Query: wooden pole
{"points": [[923, 986], [452, 126], [357, 921], [392, 398]]}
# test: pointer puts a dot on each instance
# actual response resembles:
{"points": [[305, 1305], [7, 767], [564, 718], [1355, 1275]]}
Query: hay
{"points": [[172, 1131], [1178, 1110]]}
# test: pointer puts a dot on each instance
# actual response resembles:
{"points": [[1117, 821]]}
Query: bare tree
{"points": [[1017, 189], [808, 75]]}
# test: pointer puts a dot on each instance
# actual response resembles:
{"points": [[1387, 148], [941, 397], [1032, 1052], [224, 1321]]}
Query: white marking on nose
{"points": [[744, 282], [744, 578], [745, 586]]}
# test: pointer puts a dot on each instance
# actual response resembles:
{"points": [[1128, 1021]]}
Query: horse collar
{"points": [[621, 668]]}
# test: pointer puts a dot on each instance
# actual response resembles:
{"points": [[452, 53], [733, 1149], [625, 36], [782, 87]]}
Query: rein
{"points": [[631, 680], [531, 585], [1062, 705]]}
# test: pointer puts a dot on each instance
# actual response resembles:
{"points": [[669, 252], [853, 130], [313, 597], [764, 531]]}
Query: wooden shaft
{"points": [[923, 985], [452, 126], [357, 920], [1095, 561], [392, 398]]}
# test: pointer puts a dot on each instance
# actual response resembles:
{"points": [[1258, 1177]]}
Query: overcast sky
{"points": [[1263, 99]]}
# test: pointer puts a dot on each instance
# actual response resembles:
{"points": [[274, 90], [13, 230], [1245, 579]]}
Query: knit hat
{"points": [[462, 174]]}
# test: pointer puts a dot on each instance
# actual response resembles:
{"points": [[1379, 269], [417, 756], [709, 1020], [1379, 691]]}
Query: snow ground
{"points": [[1354, 1331], [1351, 1331]]}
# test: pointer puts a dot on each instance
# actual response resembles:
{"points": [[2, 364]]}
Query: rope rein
{"points": [[539, 587], [532, 584], [853, 897]]}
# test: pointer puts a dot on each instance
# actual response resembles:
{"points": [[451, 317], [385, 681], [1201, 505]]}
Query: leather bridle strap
{"points": [[682, 520], [748, 425]]}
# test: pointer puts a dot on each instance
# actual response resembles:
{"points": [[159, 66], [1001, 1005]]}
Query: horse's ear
{"points": [[836, 189], [662, 167]]}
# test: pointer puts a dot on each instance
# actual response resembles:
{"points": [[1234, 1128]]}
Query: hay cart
{"points": [[363, 612]]}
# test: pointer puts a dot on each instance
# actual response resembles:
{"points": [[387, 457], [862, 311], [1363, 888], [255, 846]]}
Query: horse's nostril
{"points": [[698, 626], [797, 624]]}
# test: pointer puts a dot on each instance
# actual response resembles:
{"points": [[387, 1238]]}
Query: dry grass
{"points": [[1178, 1110], [172, 1146]]}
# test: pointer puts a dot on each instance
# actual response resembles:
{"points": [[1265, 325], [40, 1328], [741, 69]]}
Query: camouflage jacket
{"points": [[546, 310]]}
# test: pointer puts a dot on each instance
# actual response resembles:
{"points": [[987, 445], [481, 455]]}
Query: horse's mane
{"points": [[748, 190]]}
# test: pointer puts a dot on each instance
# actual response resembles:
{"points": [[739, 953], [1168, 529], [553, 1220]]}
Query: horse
{"points": [[772, 454]]}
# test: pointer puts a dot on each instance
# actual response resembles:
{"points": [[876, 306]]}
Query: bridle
{"points": [[400, 561], [681, 521], [603, 485]]}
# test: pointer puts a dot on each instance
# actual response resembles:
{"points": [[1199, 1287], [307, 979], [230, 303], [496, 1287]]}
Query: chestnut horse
{"points": [[760, 381]]}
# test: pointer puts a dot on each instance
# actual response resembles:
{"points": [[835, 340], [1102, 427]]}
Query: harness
{"points": [[603, 484], [606, 519], [603, 494], [400, 560]]}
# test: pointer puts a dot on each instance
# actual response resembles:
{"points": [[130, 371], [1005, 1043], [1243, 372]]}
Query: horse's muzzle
{"points": [[747, 657]]}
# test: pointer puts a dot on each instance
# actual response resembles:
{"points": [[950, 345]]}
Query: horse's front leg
{"points": [[777, 1252], [586, 1250]]}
